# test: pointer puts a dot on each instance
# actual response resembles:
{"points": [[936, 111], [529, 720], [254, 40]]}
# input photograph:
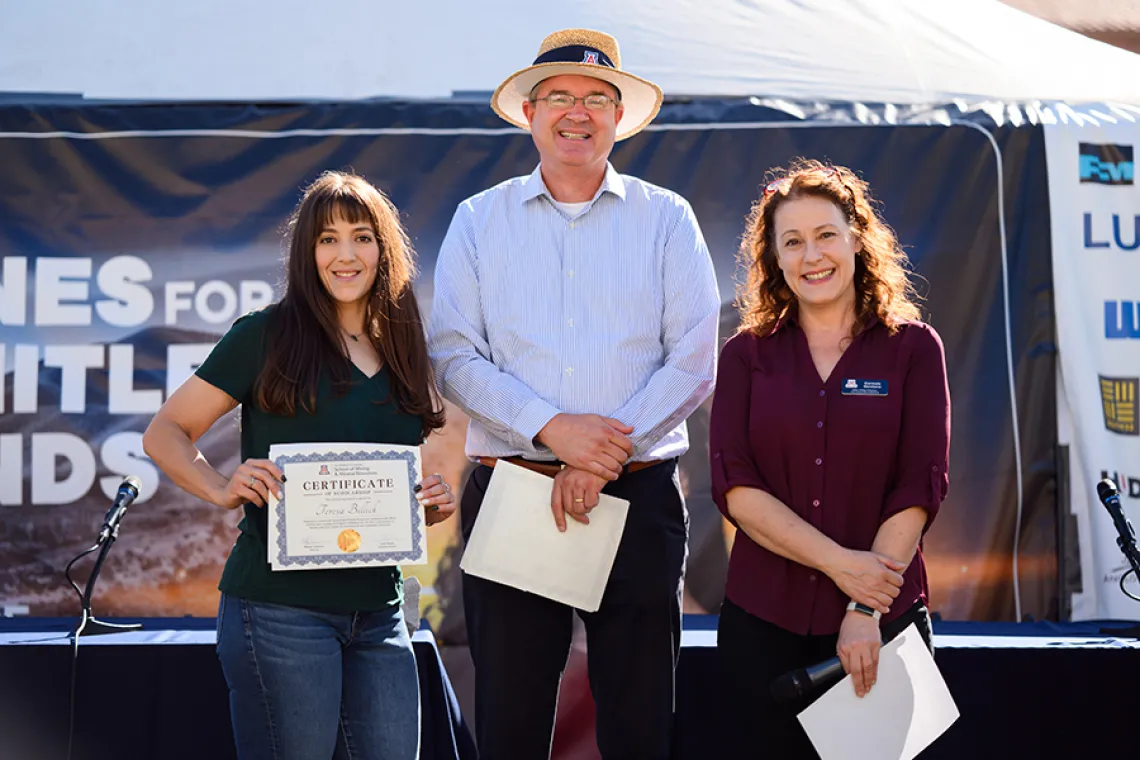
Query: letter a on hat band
{"points": [[583, 52]]}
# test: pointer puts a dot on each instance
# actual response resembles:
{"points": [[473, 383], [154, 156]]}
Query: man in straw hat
{"points": [[574, 320]]}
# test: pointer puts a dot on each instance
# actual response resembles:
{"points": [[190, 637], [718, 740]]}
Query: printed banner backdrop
{"points": [[132, 236], [1096, 237]]}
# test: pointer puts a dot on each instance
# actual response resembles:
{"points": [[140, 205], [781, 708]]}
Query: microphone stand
{"points": [[1127, 546], [1126, 540], [89, 625]]}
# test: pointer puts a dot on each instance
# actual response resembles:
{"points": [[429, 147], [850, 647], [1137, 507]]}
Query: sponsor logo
{"points": [[1125, 231], [1118, 401], [1121, 320], [1129, 487], [1106, 164], [591, 56]]}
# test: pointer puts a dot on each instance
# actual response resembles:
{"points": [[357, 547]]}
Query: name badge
{"points": [[854, 387]]}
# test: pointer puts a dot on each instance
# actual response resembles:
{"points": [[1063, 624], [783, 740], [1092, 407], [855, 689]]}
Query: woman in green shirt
{"points": [[318, 662]]}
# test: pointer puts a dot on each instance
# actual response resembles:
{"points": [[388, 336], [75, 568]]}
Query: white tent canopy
{"points": [[871, 51]]}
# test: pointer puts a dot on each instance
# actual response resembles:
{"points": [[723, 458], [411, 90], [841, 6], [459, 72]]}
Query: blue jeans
{"points": [[308, 685]]}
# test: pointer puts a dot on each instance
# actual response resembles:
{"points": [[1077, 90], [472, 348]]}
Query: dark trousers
{"points": [[752, 654], [520, 641]]}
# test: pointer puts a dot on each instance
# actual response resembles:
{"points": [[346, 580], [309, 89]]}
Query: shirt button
{"points": [[811, 577], [819, 461], [571, 323], [569, 370], [570, 273], [819, 424], [815, 503], [823, 393], [934, 468], [571, 225]]}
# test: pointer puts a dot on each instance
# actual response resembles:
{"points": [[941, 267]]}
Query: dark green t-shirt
{"points": [[366, 414]]}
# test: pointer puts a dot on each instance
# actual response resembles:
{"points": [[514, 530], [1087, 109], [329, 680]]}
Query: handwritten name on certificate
{"points": [[346, 505]]}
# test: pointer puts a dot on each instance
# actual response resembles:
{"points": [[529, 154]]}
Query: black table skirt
{"points": [[159, 700], [1024, 691]]}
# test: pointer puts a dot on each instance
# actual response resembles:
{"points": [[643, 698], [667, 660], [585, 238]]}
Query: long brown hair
{"points": [[305, 336], [882, 283]]}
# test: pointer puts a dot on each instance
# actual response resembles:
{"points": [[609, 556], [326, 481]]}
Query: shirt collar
{"points": [[534, 186]]}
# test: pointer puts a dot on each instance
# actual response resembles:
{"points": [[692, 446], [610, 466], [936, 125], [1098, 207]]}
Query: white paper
{"points": [[346, 505], [516, 542], [904, 712]]}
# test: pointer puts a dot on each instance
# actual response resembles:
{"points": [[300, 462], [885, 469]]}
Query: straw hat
{"points": [[586, 53]]}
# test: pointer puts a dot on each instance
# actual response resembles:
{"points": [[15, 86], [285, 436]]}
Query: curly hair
{"points": [[882, 277]]}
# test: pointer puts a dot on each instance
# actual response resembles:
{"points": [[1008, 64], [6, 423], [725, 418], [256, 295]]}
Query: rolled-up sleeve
{"points": [[732, 462], [924, 440]]}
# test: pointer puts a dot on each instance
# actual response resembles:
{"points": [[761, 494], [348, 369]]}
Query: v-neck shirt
{"points": [[366, 413]]}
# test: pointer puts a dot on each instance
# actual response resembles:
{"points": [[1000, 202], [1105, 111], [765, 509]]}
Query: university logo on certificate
{"points": [[346, 505]]}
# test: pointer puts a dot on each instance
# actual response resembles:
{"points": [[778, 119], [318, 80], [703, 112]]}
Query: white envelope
{"points": [[904, 712], [515, 541]]}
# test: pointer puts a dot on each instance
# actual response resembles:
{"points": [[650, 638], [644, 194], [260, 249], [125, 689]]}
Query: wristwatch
{"points": [[864, 609]]}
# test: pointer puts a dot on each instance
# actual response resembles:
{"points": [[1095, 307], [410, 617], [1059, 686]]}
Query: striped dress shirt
{"points": [[611, 312]]}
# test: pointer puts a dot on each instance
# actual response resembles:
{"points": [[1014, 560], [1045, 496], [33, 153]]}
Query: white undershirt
{"points": [[570, 209]]}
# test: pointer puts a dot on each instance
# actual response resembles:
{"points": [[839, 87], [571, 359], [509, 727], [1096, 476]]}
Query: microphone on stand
{"points": [[803, 682], [108, 532], [1109, 496], [88, 624], [128, 492]]}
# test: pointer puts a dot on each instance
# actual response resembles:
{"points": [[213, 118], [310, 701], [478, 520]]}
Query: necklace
{"points": [[354, 338]]}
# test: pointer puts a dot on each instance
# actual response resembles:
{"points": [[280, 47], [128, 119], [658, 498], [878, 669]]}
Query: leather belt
{"points": [[550, 469]]}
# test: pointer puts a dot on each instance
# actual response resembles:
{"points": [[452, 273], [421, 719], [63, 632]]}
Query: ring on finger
{"points": [[252, 480]]}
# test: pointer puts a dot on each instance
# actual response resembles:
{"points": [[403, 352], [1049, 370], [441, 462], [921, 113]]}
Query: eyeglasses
{"points": [[564, 101], [784, 183]]}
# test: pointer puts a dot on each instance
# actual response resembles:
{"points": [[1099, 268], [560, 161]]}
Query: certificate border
{"points": [[317, 560]]}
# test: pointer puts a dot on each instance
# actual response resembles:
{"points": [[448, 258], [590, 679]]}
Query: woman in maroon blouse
{"points": [[829, 442]]}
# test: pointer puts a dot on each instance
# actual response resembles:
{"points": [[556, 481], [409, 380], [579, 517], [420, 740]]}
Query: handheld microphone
{"points": [[128, 492], [804, 681], [1110, 498]]}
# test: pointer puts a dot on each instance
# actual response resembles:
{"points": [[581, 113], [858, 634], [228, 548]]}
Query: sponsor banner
{"points": [[1096, 263]]}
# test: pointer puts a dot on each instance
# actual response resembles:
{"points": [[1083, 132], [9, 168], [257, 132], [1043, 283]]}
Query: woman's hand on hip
{"points": [[252, 482]]}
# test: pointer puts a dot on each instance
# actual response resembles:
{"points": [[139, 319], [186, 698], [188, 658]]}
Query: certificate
{"points": [[908, 708], [515, 541], [346, 505]]}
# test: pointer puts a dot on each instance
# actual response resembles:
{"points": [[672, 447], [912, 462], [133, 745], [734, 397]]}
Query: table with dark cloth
{"points": [[1028, 690], [1024, 690], [157, 694]]}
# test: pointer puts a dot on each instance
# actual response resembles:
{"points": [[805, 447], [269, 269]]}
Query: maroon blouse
{"points": [[844, 455]]}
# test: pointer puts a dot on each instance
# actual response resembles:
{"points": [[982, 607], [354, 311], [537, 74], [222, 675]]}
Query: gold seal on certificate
{"points": [[346, 505]]}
